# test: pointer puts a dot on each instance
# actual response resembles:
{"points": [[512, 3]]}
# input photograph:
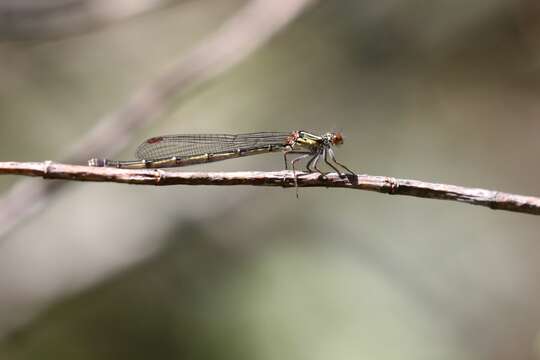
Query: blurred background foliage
{"points": [[441, 91]]}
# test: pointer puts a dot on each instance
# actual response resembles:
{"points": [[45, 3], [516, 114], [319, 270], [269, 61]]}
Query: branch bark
{"points": [[388, 185]]}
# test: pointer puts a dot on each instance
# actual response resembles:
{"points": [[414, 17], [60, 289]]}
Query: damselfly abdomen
{"points": [[190, 149]]}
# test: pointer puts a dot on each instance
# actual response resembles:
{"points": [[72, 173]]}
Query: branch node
{"points": [[160, 175], [494, 201], [284, 179], [392, 185], [46, 166]]}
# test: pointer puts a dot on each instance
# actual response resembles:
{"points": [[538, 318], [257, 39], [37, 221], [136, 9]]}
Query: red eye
{"points": [[337, 139]]}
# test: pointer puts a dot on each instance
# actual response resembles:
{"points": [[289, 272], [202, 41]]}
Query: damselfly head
{"points": [[336, 138]]}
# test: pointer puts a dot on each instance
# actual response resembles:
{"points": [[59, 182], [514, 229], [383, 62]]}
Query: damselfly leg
{"points": [[292, 152], [333, 156], [325, 152], [312, 164], [303, 155], [294, 170]]}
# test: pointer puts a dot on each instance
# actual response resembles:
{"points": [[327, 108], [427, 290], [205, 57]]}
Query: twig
{"points": [[493, 199], [33, 20], [246, 31]]}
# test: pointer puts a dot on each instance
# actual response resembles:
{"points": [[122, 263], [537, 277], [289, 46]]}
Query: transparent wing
{"points": [[167, 146]]}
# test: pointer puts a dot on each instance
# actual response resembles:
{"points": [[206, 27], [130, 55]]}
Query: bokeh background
{"points": [[445, 91]]}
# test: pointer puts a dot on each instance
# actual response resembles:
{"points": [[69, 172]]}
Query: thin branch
{"points": [[38, 20], [493, 199], [250, 28]]}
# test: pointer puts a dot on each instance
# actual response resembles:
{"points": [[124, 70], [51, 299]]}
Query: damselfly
{"points": [[182, 150]]}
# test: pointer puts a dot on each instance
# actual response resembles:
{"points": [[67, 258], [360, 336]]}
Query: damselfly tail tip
{"points": [[95, 162]]}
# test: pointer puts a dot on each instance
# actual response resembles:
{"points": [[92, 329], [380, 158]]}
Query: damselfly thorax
{"points": [[190, 149]]}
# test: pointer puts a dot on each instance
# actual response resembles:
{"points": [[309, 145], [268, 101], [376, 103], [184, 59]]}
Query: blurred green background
{"points": [[443, 91]]}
